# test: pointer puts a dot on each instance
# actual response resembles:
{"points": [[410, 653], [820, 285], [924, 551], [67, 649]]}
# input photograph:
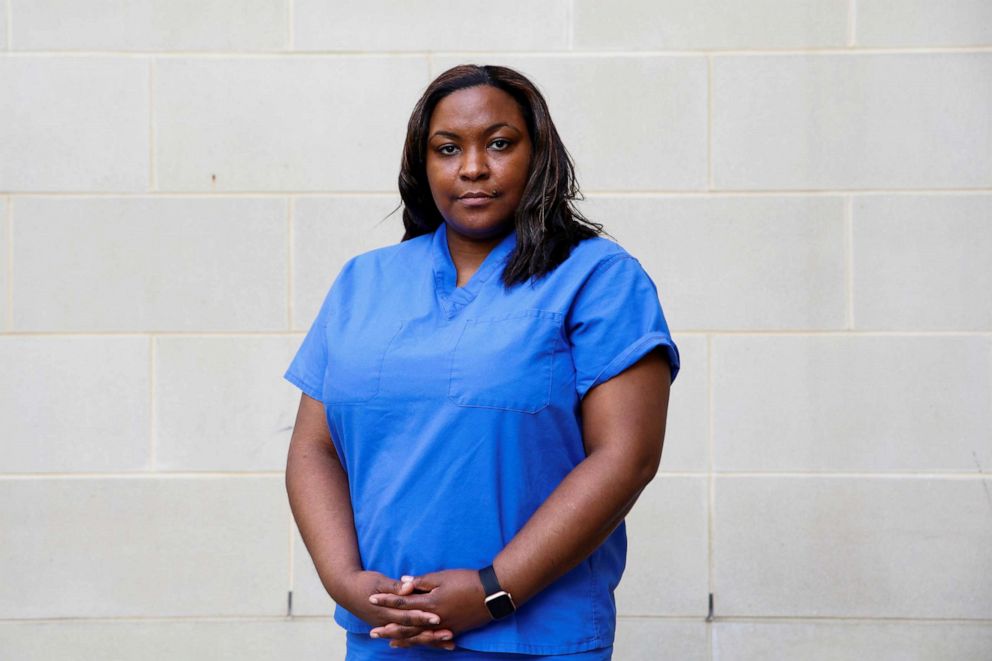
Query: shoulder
{"points": [[595, 255], [396, 256]]}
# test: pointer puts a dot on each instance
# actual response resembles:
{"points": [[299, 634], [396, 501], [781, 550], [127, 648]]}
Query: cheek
{"points": [[435, 180], [517, 170]]}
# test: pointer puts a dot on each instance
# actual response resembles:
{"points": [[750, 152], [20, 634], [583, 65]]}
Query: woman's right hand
{"points": [[414, 626]]}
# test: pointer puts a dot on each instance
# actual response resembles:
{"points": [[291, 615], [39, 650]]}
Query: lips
{"points": [[474, 194]]}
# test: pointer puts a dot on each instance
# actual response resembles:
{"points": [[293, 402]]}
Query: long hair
{"points": [[547, 223]]}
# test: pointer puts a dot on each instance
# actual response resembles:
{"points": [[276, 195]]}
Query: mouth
{"points": [[476, 199]]}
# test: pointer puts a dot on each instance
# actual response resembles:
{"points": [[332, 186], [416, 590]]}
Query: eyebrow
{"points": [[492, 128]]}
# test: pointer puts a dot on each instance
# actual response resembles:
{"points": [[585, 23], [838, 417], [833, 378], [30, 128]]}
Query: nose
{"points": [[474, 164]]}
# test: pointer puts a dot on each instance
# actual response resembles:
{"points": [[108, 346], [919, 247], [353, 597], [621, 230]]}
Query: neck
{"points": [[468, 253]]}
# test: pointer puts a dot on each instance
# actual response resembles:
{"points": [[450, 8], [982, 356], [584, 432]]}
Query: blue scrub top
{"points": [[456, 411]]}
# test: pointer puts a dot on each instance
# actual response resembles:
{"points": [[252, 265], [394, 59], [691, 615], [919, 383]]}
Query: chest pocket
{"points": [[354, 361], [506, 362]]}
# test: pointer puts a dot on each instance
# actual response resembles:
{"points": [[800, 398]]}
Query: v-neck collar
{"points": [[445, 274]]}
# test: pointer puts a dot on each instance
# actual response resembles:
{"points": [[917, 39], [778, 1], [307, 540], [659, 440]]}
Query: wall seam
{"points": [[711, 498], [665, 618], [292, 564], [839, 332], [710, 185], [290, 37], [852, 13], [970, 475], [9, 14], [570, 25], [152, 173], [697, 52], [711, 468], [631, 194]]}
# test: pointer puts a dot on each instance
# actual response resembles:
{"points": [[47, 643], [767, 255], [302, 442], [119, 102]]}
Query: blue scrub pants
{"points": [[363, 648]]}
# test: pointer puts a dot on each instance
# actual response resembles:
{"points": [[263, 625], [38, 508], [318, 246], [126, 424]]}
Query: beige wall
{"points": [[809, 182]]}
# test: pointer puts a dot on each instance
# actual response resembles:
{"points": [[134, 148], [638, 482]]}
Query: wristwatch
{"points": [[498, 601]]}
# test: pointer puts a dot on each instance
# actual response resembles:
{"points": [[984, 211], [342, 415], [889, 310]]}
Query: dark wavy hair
{"points": [[547, 223]]}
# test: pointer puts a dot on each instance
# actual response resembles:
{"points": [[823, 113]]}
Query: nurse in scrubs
{"points": [[483, 402]]}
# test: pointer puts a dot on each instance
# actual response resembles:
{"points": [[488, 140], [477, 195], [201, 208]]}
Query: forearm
{"points": [[575, 519], [318, 496]]}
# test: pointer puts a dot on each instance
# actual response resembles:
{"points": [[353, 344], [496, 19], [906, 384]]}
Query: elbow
{"points": [[648, 464], [634, 469], [647, 472], [630, 460]]}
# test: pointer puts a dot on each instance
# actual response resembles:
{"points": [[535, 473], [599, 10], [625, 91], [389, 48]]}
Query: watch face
{"points": [[500, 605]]}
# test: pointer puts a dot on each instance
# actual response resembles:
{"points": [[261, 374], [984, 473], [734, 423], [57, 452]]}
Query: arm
{"points": [[623, 432], [317, 486], [623, 428]]}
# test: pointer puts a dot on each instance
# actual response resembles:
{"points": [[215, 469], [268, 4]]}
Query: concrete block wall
{"points": [[809, 182]]}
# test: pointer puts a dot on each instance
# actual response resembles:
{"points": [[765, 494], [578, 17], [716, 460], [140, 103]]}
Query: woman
{"points": [[467, 445]]}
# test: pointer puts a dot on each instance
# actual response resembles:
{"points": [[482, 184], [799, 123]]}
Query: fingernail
{"points": [[434, 620], [373, 600], [446, 637], [374, 634], [406, 579]]}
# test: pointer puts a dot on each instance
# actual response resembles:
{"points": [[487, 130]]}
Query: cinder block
{"points": [[441, 25], [667, 569], [147, 25], [923, 23], [73, 404], [222, 404], [736, 263], [831, 640], [150, 264], [150, 546], [85, 128], [690, 24], [852, 403], [327, 232], [922, 262], [807, 546], [630, 122], [687, 429], [285, 124], [309, 639], [656, 639], [845, 121]]}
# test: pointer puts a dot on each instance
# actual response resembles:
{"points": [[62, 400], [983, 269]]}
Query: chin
{"points": [[479, 228]]}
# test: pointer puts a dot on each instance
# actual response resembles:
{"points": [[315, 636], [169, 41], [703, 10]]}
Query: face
{"points": [[478, 143]]}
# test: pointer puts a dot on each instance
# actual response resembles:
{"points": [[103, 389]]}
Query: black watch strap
{"points": [[489, 581]]}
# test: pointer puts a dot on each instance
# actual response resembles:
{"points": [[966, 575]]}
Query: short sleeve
{"points": [[614, 321], [306, 371]]}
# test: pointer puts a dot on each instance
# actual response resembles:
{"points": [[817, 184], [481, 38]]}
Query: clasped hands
{"points": [[427, 610]]}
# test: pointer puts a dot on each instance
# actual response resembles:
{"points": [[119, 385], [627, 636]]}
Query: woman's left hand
{"points": [[455, 595]]}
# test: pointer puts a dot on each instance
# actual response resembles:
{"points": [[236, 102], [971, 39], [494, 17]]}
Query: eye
{"points": [[441, 150], [503, 141]]}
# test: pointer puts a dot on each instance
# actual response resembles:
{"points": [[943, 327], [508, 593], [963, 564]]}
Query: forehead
{"points": [[476, 107]]}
